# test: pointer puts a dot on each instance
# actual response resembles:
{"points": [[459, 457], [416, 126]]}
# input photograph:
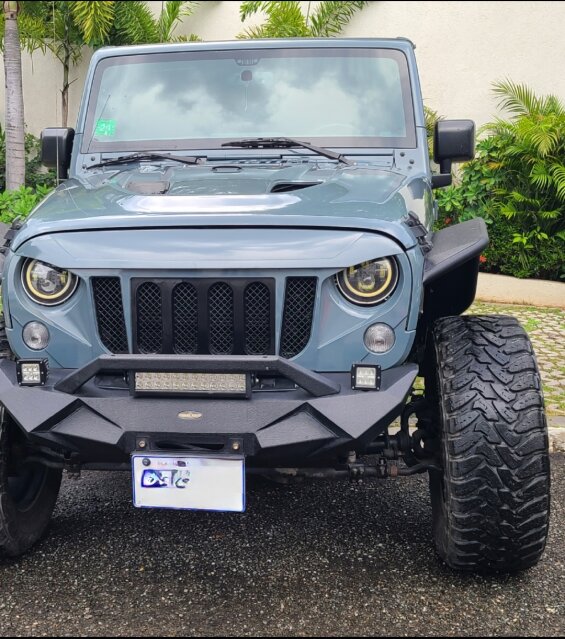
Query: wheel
{"points": [[491, 500], [28, 491]]}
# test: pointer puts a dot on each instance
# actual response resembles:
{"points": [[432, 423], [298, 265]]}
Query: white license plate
{"points": [[181, 482]]}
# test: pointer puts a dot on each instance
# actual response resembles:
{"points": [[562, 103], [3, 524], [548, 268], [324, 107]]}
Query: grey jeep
{"points": [[238, 274]]}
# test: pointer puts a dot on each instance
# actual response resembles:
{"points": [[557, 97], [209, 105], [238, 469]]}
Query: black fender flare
{"points": [[451, 268]]}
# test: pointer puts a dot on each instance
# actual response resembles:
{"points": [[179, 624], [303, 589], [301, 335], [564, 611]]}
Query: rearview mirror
{"points": [[454, 141], [56, 150]]}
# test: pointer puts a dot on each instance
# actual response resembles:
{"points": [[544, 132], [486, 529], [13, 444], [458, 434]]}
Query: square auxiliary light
{"points": [[365, 377], [31, 372], [192, 384]]}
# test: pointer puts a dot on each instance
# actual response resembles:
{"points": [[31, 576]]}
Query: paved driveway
{"points": [[326, 558]]}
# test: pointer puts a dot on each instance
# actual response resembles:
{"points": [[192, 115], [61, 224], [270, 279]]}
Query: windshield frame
{"points": [[90, 145]]}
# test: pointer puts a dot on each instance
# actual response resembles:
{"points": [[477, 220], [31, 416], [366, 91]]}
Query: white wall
{"points": [[462, 47]]}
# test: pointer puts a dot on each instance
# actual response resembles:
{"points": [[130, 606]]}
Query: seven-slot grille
{"points": [[206, 316]]}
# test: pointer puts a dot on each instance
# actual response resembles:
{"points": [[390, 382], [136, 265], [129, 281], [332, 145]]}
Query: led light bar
{"points": [[192, 384], [31, 372]]}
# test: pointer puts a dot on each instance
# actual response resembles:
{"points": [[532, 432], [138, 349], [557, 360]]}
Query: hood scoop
{"points": [[151, 187], [288, 187]]}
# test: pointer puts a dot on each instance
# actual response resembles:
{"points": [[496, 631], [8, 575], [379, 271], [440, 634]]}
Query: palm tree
{"points": [[15, 126], [286, 19], [21, 26]]}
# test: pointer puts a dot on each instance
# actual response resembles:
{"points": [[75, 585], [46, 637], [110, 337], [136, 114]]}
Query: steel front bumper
{"points": [[321, 419]]}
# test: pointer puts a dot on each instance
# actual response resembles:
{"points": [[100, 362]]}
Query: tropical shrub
{"points": [[36, 174], [517, 184], [20, 203]]}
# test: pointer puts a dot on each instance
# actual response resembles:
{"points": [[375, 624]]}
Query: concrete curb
{"points": [[503, 289], [556, 440], [556, 434]]}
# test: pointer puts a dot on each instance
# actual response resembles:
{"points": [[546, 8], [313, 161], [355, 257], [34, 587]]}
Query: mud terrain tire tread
{"points": [[491, 503]]}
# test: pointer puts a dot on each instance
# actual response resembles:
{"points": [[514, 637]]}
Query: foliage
{"points": [[36, 175], [20, 203], [131, 22], [517, 184], [31, 25], [532, 161], [65, 27], [286, 19], [432, 117]]}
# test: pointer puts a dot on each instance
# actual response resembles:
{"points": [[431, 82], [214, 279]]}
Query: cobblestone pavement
{"points": [[546, 328]]}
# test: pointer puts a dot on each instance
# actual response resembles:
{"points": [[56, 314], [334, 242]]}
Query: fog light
{"points": [[202, 384], [36, 336], [31, 372], [379, 338], [366, 377]]}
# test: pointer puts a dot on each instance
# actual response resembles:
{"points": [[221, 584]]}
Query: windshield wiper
{"points": [[139, 157], [286, 143]]}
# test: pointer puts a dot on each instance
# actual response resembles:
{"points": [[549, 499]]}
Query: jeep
{"points": [[238, 274]]}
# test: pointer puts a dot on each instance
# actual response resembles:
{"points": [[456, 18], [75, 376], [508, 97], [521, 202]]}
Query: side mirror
{"points": [[56, 150], [454, 141]]}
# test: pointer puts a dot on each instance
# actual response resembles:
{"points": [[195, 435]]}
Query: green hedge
{"points": [[517, 185]]}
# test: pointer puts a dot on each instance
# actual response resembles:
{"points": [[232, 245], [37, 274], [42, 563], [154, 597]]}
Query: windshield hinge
{"points": [[90, 160], [406, 159]]}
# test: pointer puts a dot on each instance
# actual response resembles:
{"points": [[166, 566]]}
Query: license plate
{"points": [[182, 482]]}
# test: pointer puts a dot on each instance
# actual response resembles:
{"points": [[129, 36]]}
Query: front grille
{"points": [[299, 302], [110, 319], [204, 316], [221, 318], [257, 320], [185, 319], [149, 318]]}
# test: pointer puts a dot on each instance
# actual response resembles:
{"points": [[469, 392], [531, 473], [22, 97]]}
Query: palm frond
{"points": [[172, 14], [134, 24], [94, 19], [284, 20], [518, 99], [249, 8], [330, 18], [32, 32], [558, 174]]}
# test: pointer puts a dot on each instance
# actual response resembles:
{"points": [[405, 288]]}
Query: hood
{"points": [[301, 195]]}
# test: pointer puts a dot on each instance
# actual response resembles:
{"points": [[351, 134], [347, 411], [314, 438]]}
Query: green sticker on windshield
{"points": [[105, 129]]}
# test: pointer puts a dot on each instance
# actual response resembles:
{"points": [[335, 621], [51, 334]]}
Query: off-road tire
{"points": [[491, 501], [22, 521]]}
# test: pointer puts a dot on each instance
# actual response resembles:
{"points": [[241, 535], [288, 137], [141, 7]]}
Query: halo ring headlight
{"points": [[46, 284], [369, 283]]}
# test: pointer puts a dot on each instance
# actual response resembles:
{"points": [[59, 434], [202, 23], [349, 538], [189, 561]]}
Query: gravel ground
{"points": [[318, 559]]}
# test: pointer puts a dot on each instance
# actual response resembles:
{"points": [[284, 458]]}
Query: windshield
{"points": [[200, 99]]}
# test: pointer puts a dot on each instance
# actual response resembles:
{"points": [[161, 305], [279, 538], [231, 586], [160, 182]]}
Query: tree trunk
{"points": [[65, 91], [15, 126]]}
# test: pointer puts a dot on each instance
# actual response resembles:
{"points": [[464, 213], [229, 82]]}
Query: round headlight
{"points": [[46, 284], [369, 283]]}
